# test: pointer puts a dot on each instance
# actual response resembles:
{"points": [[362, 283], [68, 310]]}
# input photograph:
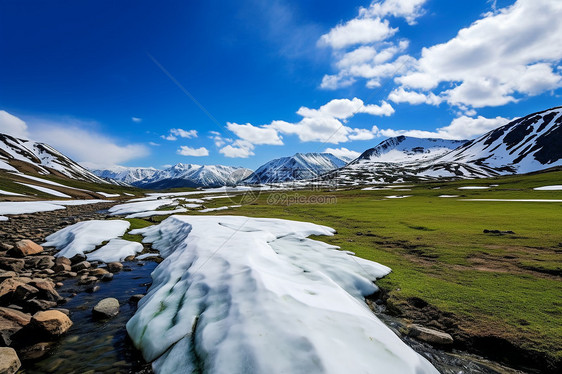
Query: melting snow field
{"points": [[474, 188], [25, 207], [254, 295], [83, 237], [549, 188], [46, 190]]}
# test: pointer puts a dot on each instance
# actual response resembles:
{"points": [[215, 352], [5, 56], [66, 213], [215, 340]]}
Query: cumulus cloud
{"points": [[175, 133], [407, 9], [462, 127], [254, 134], [343, 153], [12, 125], [239, 149], [508, 54], [400, 95], [184, 150], [357, 31]]}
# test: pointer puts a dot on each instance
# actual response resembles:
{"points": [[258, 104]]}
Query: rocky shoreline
{"points": [[32, 313]]}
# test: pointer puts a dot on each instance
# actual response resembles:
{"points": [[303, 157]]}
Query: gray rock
{"points": [[114, 267], [12, 264], [9, 361], [106, 308], [81, 266], [430, 336]]}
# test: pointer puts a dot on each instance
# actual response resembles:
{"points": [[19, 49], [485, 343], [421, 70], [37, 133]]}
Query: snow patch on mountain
{"points": [[298, 167]]}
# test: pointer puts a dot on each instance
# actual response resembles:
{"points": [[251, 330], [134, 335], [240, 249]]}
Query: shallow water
{"points": [[99, 346]]}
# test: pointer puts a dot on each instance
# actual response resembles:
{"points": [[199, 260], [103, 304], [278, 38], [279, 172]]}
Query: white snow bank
{"points": [[253, 295], [548, 188], [46, 190], [207, 210], [77, 202], [140, 206], [474, 188], [151, 213], [2, 192], [83, 237], [448, 195], [105, 194], [115, 250], [3, 218], [397, 196], [25, 207]]}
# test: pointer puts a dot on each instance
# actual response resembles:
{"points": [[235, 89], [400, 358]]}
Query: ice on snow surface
{"points": [[254, 295]]}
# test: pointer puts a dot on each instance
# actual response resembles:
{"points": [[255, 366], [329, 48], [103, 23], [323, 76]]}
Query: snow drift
{"points": [[254, 295]]}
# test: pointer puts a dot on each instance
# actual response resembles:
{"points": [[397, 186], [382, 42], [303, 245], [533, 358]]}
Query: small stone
{"points": [[114, 267], [77, 258], [59, 268], [107, 277], [130, 258], [35, 305], [46, 290], [59, 284], [93, 289], [136, 298], [99, 272], [12, 264], [81, 265], [35, 351], [106, 308], [63, 261], [5, 246], [25, 248], [50, 322], [9, 361], [430, 335]]}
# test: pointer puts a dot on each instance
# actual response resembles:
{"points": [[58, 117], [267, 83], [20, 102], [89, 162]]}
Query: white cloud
{"points": [[74, 139], [400, 95], [254, 134], [12, 125], [184, 150], [408, 9], [463, 127], [239, 149], [218, 139], [357, 31], [503, 56], [136, 119], [154, 144], [181, 133], [343, 153], [326, 124]]}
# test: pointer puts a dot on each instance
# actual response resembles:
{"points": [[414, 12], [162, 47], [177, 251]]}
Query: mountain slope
{"points": [[180, 175], [297, 167], [530, 143], [26, 156]]}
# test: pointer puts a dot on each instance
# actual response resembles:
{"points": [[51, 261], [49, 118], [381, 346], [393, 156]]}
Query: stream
{"points": [[104, 347]]}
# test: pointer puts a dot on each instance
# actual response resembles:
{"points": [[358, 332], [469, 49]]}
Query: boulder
{"points": [[9, 361], [8, 286], [46, 290], [12, 264], [35, 351], [99, 272], [35, 305], [25, 248], [40, 262], [59, 268], [24, 292], [114, 267], [106, 308], [15, 315], [430, 336], [82, 265], [51, 323]]}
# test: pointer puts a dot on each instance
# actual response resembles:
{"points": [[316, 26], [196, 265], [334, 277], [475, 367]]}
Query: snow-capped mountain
{"points": [[124, 174], [180, 175], [404, 148], [26, 156], [530, 143], [297, 167], [527, 144]]}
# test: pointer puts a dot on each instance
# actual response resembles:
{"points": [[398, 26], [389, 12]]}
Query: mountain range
{"points": [[527, 144]]}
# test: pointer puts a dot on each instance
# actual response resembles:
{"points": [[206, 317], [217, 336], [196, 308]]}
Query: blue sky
{"points": [[144, 83]]}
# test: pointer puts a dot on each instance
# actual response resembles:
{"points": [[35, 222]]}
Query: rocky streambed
{"points": [[51, 318]]}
